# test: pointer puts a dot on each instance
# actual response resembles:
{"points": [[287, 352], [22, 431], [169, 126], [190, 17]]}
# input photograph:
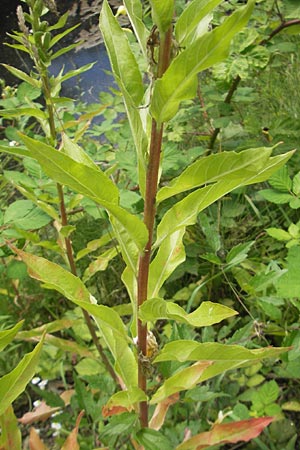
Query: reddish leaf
{"points": [[10, 438], [35, 443], [43, 411], [160, 411], [108, 410], [71, 442], [224, 433]]}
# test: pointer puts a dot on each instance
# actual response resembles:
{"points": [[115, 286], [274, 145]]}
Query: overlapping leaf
{"points": [[7, 336], [162, 14]]}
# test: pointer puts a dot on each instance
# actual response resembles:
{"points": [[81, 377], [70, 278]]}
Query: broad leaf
{"points": [[75, 152], [14, 383], [184, 379], [180, 80], [224, 433], [190, 18], [7, 336], [152, 440], [207, 314], [162, 14], [10, 438], [288, 284]]}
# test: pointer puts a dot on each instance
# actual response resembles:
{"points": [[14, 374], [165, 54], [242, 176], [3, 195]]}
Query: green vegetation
{"points": [[150, 290]]}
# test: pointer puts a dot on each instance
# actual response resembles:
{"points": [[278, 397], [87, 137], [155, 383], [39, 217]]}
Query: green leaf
{"points": [[185, 212], [184, 379], [128, 76], [7, 336], [179, 82], [152, 440], [15, 150], [296, 184], [135, 13], [100, 263], [223, 433], [109, 322], [213, 168], [281, 181], [190, 18], [23, 111], [74, 73], [88, 181], [169, 256], [288, 285], [14, 383], [280, 235], [27, 92], [10, 434], [206, 314], [238, 253], [279, 198], [184, 350], [25, 215], [162, 14], [75, 152], [59, 36], [23, 76]]}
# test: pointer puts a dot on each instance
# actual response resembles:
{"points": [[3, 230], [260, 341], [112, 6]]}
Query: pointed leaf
{"points": [[152, 440], [75, 152], [184, 350], [135, 13], [224, 433], [189, 19], [19, 151], [184, 379], [162, 13], [23, 111], [71, 443], [169, 256], [23, 76], [207, 314], [14, 383], [7, 336], [180, 80]]}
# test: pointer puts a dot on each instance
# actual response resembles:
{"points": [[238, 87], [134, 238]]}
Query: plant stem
{"points": [[149, 219]]}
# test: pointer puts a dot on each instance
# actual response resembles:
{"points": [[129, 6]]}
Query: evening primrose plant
{"points": [[175, 50]]}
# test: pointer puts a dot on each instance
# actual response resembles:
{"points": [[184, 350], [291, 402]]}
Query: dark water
{"points": [[85, 87]]}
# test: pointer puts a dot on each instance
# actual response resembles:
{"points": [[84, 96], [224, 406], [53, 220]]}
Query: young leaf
{"points": [[190, 18], [170, 255], [23, 76], [180, 80], [135, 13], [207, 314], [184, 379], [10, 438], [162, 14], [14, 383], [7, 336], [224, 433]]}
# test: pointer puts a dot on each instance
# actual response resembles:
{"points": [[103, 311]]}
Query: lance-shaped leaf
{"points": [[23, 111], [10, 438], [169, 256], [19, 151], [190, 18], [185, 212], [23, 76], [108, 320], [7, 336], [179, 82], [207, 314], [135, 13], [14, 383], [213, 168], [162, 14], [184, 379], [35, 442], [123, 401], [185, 350], [71, 442], [226, 433], [128, 76], [75, 152], [88, 181]]}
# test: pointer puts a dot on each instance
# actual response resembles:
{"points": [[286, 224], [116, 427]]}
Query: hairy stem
{"points": [[149, 219]]}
